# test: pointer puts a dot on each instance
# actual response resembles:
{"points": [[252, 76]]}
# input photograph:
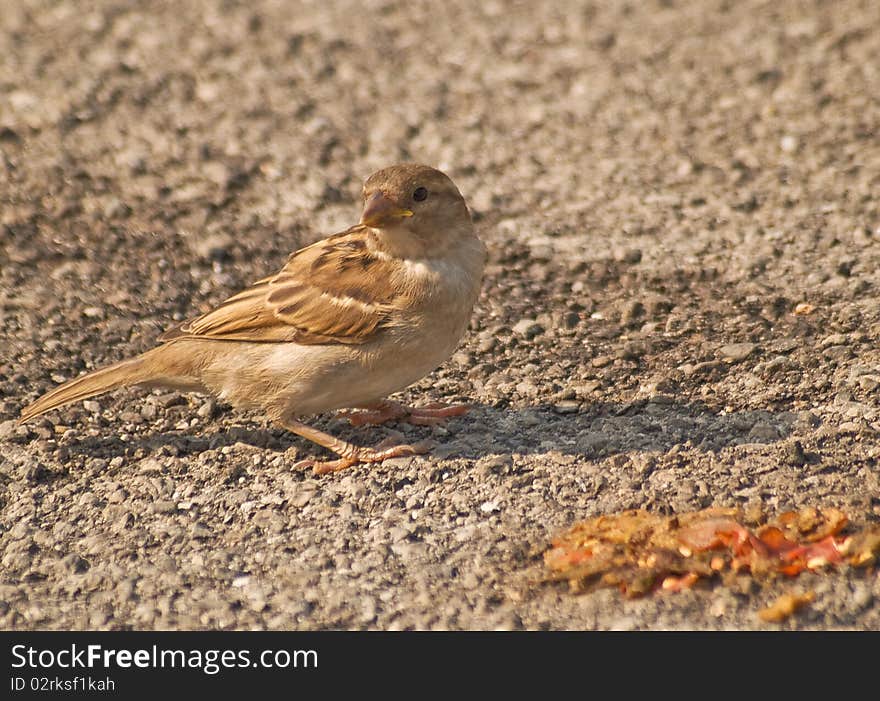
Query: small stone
{"points": [[775, 365], [736, 352], [91, 406], [587, 388], [795, 455], [398, 463], [488, 507], [763, 433], [862, 596], [201, 531], [207, 410], [495, 464], [164, 506], [150, 466], [463, 359], [75, 564], [837, 352], [631, 312], [570, 320], [867, 382], [632, 256], [835, 339], [718, 608], [600, 361], [7, 430], [170, 399], [788, 143], [302, 497], [527, 388], [567, 407], [528, 328], [213, 247], [487, 344], [123, 522]]}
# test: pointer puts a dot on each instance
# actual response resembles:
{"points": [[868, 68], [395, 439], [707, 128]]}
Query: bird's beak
{"points": [[380, 211]]}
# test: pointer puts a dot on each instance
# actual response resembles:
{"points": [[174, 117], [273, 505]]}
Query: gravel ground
{"points": [[681, 205]]}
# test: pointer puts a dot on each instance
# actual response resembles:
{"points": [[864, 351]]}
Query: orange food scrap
{"points": [[640, 552], [785, 606], [679, 583]]}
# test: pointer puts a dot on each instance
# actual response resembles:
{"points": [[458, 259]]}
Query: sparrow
{"points": [[348, 321]]}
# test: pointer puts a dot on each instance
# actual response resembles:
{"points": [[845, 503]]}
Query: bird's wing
{"points": [[334, 291]]}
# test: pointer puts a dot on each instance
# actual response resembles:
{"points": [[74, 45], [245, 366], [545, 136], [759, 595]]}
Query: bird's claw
{"points": [[383, 451]]}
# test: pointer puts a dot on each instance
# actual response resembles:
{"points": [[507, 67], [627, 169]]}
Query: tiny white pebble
{"points": [[788, 143]]}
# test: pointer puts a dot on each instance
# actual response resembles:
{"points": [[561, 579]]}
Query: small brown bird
{"points": [[347, 321]]}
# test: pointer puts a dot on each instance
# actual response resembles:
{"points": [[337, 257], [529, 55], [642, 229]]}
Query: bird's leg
{"points": [[349, 453], [386, 410]]}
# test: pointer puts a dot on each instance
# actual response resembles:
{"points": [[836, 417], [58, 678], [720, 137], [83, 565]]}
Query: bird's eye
{"points": [[420, 194]]}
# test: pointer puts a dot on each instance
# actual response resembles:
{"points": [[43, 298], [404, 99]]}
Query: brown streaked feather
{"points": [[320, 296]]}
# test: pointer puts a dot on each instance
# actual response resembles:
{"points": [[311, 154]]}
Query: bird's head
{"points": [[415, 201]]}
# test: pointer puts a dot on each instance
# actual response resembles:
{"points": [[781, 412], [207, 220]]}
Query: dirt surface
{"points": [[682, 206]]}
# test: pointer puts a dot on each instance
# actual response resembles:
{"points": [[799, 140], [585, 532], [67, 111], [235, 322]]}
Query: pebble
{"points": [[632, 311], [570, 320], [164, 506], [777, 364], [862, 596], [527, 388], [837, 352], [763, 433], [131, 417], [585, 389], [736, 352], [795, 455], [788, 143], [208, 409], [201, 531], [7, 429], [487, 345], [169, 399], [150, 466], [869, 382], [528, 328], [212, 247], [494, 464], [835, 339]]}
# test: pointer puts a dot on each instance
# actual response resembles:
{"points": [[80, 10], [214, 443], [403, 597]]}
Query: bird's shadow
{"points": [[592, 431]]}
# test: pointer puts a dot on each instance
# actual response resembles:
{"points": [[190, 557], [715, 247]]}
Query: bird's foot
{"points": [[380, 413], [436, 413], [355, 455], [374, 414]]}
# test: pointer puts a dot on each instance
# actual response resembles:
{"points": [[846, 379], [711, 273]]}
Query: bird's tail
{"points": [[122, 374]]}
